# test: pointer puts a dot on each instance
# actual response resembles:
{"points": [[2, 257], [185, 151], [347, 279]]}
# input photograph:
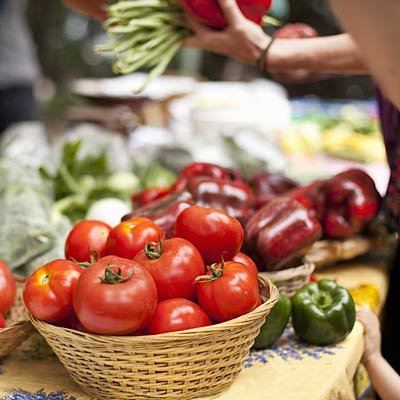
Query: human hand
{"points": [[372, 334], [241, 39], [96, 9]]}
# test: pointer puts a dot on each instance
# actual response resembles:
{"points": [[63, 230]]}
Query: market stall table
{"points": [[288, 370]]}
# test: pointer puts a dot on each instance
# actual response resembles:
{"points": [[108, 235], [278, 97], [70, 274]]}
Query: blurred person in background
{"points": [[19, 67]]}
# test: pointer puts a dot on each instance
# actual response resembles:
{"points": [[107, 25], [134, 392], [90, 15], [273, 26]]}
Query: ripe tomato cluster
{"points": [[8, 290], [129, 280]]}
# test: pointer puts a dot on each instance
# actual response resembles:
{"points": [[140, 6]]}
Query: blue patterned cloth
{"points": [[39, 395], [289, 348]]}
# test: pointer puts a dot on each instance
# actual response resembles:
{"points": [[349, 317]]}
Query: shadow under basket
{"points": [[178, 365], [18, 325], [290, 280]]}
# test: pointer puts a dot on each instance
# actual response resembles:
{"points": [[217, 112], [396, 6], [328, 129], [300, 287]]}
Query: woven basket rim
{"points": [[307, 268], [16, 324], [188, 334]]}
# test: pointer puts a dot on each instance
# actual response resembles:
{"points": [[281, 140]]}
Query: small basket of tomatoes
{"points": [[15, 326], [150, 317], [176, 365]]}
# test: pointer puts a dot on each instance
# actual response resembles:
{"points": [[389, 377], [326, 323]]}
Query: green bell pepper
{"points": [[274, 324], [323, 312]]}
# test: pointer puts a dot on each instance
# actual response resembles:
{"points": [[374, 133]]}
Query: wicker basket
{"points": [[18, 326], [327, 252], [290, 280], [179, 365]]}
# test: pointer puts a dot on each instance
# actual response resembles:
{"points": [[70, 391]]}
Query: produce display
{"points": [[187, 255], [280, 218], [344, 130], [85, 173], [149, 33], [130, 280]]}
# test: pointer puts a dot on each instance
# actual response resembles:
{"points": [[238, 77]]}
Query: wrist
{"points": [[372, 359], [259, 47]]}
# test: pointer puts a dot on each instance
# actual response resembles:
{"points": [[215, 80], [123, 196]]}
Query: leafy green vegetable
{"points": [[62, 227], [25, 204], [79, 180], [154, 175]]}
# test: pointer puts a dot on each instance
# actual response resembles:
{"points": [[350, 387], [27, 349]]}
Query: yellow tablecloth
{"points": [[289, 370]]}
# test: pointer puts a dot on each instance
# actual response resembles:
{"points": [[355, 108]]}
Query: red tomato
{"points": [[208, 12], [174, 264], [2, 322], [115, 296], [177, 315], [8, 288], [86, 237], [247, 261], [213, 232], [130, 236], [48, 291], [227, 291]]}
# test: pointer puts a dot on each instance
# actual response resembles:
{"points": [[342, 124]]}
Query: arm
{"points": [[383, 377], [94, 8], [244, 41], [376, 30]]}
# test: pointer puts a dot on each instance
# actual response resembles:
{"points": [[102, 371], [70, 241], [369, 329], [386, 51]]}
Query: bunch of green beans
{"points": [[148, 34]]}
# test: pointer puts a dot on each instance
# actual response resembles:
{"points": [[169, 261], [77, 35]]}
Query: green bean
{"points": [[148, 33], [160, 68], [152, 55]]}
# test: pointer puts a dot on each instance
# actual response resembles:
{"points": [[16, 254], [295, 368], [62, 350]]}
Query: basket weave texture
{"points": [[177, 365], [18, 325], [327, 252], [290, 280]]}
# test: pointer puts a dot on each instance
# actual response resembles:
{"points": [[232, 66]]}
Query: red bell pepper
{"points": [[165, 211], [280, 231], [149, 195], [203, 169], [235, 198], [352, 201], [267, 185], [208, 11], [312, 196]]}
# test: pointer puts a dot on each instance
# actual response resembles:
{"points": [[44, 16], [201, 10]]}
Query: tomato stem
{"points": [[216, 273], [151, 251], [111, 277], [94, 256]]}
